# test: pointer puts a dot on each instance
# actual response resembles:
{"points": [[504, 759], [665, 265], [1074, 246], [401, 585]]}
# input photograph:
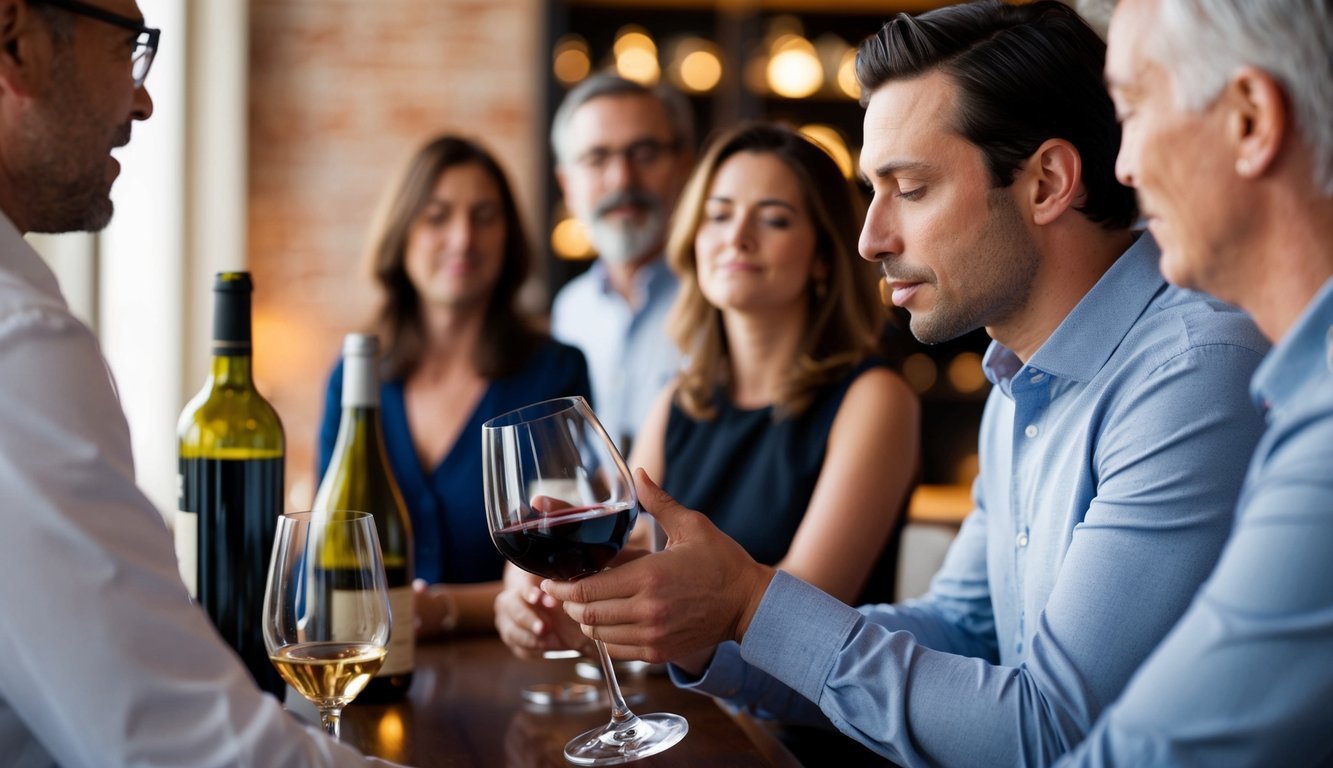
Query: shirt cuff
{"points": [[722, 678], [797, 633]]}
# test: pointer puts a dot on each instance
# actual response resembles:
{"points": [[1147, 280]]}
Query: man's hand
{"points": [[531, 622], [701, 590]]}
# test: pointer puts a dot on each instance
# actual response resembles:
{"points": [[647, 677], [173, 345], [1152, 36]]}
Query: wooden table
{"points": [[466, 708]]}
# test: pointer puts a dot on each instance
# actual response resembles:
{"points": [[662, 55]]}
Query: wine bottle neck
{"points": [[232, 371], [361, 383]]}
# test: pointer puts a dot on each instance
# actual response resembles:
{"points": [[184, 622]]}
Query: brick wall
{"points": [[341, 93]]}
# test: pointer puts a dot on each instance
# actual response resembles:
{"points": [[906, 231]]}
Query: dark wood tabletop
{"points": [[466, 709]]}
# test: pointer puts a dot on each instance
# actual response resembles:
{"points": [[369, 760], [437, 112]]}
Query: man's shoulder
{"points": [[1180, 320], [24, 309]]}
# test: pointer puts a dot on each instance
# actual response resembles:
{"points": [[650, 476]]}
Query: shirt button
{"points": [[1021, 539], [1037, 378], [1031, 430]]}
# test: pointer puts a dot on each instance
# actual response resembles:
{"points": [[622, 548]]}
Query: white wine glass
{"points": [[560, 503], [326, 607]]}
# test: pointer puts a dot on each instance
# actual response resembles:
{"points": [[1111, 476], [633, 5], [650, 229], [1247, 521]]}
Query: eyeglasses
{"points": [[145, 41], [644, 153]]}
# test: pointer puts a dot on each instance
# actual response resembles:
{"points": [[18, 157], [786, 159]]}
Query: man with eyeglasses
{"points": [[105, 660], [623, 152]]}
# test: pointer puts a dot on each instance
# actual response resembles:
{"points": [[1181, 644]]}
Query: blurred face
{"points": [[84, 110], [755, 247], [622, 174], [955, 252], [1175, 159], [455, 248]]}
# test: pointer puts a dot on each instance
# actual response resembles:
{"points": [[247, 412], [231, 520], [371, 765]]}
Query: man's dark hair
{"points": [[1025, 74]]}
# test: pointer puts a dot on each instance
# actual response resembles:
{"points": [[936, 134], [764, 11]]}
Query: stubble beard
{"points": [[64, 180], [997, 284]]}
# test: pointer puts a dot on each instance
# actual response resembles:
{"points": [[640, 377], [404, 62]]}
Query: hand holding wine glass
{"points": [[326, 608], [560, 503]]}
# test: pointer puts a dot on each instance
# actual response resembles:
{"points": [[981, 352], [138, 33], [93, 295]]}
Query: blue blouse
{"points": [[451, 543]]}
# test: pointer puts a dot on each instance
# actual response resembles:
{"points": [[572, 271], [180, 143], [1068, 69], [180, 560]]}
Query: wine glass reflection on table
{"points": [[560, 503], [326, 607]]}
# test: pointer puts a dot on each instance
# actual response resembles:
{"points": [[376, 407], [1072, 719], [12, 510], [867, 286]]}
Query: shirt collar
{"points": [[1092, 331], [1304, 355], [19, 259], [647, 279]]}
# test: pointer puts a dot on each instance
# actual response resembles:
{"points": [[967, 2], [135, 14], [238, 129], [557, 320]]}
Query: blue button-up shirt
{"points": [[1246, 677], [1110, 464], [630, 358]]}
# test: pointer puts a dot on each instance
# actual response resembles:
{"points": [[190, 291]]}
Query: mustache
{"points": [[122, 135], [902, 277], [636, 198]]}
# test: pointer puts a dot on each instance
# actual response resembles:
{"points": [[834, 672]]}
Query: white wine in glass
{"points": [[560, 503], [326, 608]]}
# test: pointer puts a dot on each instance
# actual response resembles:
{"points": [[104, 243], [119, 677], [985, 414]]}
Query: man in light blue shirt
{"points": [[1111, 447], [623, 152], [1228, 121]]}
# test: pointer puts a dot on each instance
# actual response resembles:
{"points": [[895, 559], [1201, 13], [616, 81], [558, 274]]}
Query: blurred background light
{"points": [[965, 374], [572, 62], [696, 65], [636, 55], [570, 240], [794, 70]]}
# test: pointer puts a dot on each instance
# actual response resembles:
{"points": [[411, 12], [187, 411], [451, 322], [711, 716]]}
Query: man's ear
{"points": [[25, 47], [1257, 120], [1054, 180]]}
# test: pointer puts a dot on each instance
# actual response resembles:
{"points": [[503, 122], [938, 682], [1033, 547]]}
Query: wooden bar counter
{"points": [[466, 709]]}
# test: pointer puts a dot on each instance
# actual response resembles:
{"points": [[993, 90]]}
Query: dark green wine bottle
{"points": [[358, 478], [231, 486]]}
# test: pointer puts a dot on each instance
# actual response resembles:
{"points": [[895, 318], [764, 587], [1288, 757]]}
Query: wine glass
{"points": [[326, 607], [560, 503]]}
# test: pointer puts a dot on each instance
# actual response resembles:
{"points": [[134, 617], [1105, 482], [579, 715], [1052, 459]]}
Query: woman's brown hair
{"points": [[845, 317]]}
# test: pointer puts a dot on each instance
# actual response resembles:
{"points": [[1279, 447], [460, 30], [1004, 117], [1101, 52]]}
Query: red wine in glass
{"points": [[568, 543], [560, 503]]}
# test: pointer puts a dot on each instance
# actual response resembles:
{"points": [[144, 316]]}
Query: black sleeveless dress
{"points": [[754, 476]]}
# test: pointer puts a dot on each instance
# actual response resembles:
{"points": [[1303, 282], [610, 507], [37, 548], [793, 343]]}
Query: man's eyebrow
{"points": [[896, 168]]}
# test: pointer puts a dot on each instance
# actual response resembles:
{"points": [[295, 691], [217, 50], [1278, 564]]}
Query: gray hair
{"points": [[1203, 42], [679, 114]]}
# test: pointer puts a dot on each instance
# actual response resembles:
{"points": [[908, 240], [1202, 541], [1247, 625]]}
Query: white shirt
{"points": [[105, 662]]}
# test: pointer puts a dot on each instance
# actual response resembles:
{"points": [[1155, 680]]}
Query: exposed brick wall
{"points": [[341, 93]]}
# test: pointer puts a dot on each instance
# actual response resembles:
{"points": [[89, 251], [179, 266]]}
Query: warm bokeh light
{"points": [[700, 69], [967, 469], [570, 240], [965, 374], [572, 62], [828, 137], [920, 372], [633, 36], [391, 732], [636, 56], [847, 82], [794, 70]]}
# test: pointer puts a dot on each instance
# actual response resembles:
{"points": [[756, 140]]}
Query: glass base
{"points": [[636, 738]]}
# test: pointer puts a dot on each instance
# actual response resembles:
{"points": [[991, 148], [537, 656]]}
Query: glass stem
{"points": [[620, 712], [330, 718]]}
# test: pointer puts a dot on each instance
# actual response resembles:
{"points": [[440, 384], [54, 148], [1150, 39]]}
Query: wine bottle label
{"points": [[186, 527], [402, 637]]}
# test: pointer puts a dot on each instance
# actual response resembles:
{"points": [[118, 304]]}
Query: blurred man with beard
{"points": [[623, 152]]}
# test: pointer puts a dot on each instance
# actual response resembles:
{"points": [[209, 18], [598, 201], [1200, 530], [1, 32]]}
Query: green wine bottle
{"points": [[231, 486], [359, 478]]}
